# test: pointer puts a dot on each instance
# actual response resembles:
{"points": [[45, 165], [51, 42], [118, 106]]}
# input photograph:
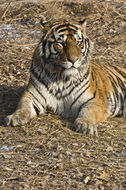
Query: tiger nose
{"points": [[72, 60]]}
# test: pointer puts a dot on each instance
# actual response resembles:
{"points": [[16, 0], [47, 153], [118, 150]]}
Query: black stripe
{"points": [[38, 77], [87, 48], [62, 30], [79, 96], [49, 46], [119, 81], [36, 98], [115, 102], [121, 84], [53, 36], [71, 25], [37, 110], [85, 103], [38, 90], [123, 74], [60, 92], [76, 84], [116, 95], [110, 71], [66, 25], [68, 86], [68, 94], [61, 26], [114, 87], [122, 102], [43, 46], [82, 87], [110, 75], [67, 29], [92, 75]]}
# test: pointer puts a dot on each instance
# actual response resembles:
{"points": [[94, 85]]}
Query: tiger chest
{"points": [[66, 99]]}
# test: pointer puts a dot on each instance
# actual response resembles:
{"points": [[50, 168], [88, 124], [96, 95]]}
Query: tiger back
{"points": [[65, 81]]}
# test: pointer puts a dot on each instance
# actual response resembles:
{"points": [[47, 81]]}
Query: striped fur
{"points": [[65, 81]]}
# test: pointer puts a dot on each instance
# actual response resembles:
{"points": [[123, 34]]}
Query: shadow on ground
{"points": [[9, 97]]}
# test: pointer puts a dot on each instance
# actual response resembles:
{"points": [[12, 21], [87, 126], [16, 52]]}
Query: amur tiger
{"points": [[65, 81]]}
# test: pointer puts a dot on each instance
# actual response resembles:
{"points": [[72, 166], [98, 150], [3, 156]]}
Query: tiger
{"points": [[65, 81]]}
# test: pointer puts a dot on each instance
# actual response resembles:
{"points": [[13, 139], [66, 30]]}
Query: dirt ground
{"points": [[45, 154]]}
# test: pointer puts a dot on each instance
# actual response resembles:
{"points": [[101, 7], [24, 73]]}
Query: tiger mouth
{"points": [[72, 68], [70, 71], [68, 67]]}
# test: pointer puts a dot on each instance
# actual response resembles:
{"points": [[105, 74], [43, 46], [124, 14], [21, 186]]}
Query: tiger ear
{"points": [[45, 25], [43, 22], [83, 24]]}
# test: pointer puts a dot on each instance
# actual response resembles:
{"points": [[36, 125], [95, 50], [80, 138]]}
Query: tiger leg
{"points": [[25, 111], [88, 118]]}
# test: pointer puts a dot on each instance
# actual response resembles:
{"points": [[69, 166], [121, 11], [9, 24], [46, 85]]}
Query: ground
{"points": [[45, 154]]}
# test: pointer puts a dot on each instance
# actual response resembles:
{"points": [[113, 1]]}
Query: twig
{"points": [[5, 11]]}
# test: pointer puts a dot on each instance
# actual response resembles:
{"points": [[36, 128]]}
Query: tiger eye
{"points": [[81, 45], [58, 47]]}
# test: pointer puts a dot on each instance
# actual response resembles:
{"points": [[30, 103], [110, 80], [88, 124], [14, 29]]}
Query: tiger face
{"points": [[66, 47]]}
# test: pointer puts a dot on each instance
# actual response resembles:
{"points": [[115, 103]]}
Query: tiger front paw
{"points": [[20, 117], [84, 127]]}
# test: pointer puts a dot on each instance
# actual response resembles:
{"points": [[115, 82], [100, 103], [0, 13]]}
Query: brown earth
{"points": [[45, 153]]}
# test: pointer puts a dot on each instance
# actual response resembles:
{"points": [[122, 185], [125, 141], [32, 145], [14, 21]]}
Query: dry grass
{"points": [[45, 153]]}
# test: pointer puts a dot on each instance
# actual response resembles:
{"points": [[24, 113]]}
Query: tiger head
{"points": [[65, 47]]}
